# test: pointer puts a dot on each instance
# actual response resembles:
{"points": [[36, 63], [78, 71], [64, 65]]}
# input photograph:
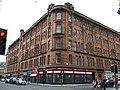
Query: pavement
{"points": [[90, 85]]}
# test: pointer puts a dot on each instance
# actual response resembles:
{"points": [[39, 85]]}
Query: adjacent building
{"points": [[3, 69], [64, 46]]}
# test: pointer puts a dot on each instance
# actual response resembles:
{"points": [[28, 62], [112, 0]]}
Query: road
{"points": [[4, 86]]}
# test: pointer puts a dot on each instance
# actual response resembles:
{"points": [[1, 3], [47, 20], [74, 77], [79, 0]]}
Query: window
{"points": [[40, 61], [82, 47], [58, 57], [48, 59], [36, 62], [58, 15], [44, 61], [49, 31], [69, 18], [75, 46], [69, 31], [78, 46], [92, 62], [30, 63], [58, 28], [58, 42], [26, 64], [70, 44], [43, 48], [70, 59], [82, 61], [80, 34], [75, 32], [49, 45], [77, 62]]}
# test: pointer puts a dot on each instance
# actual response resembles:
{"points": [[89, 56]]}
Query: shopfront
{"points": [[33, 76], [65, 75]]}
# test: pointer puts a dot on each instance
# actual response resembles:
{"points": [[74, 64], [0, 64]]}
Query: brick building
{"points": [[64, 46]]}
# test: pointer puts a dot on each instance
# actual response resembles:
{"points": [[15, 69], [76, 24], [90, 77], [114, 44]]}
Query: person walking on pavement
{"points": [[104, 83], [116, 83], [95, 83]]}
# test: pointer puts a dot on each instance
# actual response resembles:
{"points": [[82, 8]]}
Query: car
{"points": [[20, 81], [13, 80], [2, 80], [7, 80], [119, 82], [109, 83]]}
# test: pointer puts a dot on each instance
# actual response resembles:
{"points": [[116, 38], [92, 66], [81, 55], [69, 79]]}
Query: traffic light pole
{"points": [[115, 76]]}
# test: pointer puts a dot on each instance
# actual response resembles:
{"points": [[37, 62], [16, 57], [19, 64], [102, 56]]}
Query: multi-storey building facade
{"points": [[2, 69], [64, 46]]}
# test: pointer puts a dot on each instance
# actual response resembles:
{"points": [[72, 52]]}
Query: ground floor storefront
{"points": [[62, 75]]}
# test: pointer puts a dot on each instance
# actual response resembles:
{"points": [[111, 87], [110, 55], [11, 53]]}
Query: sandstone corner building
{"points": [[64, 46]]}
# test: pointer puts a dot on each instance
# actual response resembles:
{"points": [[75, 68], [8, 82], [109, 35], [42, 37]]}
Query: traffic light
{"points": [[3, 37], [118, 11], [114, 68]]}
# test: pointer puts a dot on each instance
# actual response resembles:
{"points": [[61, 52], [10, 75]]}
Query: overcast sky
{"points": [[21, 14]]}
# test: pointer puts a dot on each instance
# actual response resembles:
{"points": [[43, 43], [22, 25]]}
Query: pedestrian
{"points": [[116, 83], [99, 84], [104, 83], [95, 83]]}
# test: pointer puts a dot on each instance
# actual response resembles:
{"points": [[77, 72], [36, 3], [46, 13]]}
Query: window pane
{"points": [[58, 28], [48, 44], [75, 46], [69, 31], [69, 18], [58, 57], [58, 15], [58, 42], [75, 32], [70, 59], [77, 62], [70, 44], [48, 59]]}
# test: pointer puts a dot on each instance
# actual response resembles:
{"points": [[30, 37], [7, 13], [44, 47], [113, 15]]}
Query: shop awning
{"points": [[33, 75]]}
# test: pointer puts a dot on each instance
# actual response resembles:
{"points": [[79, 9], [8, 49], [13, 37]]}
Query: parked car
{"points": [[109, 83], [13, 80], [20, 81], [2, 80], [119, 82], [7, 80]]}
